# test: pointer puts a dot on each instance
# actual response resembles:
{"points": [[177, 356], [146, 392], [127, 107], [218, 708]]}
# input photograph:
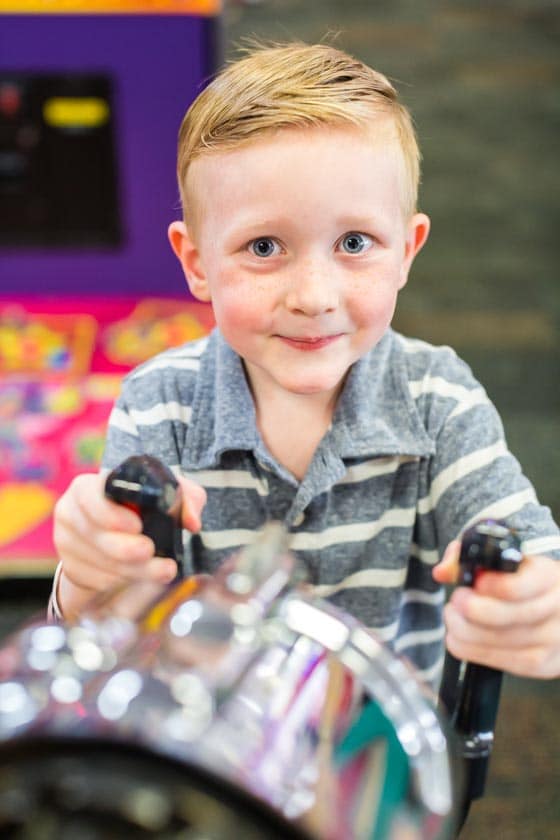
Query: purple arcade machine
{"points": [[92, 93], [90, 103]]}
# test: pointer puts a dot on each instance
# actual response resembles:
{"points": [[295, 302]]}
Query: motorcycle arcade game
{"points": [[235, 705]]}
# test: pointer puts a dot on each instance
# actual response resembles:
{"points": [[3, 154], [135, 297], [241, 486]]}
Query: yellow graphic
{"points": [[60, 344], [151, 328], [120, 7], [22, 508], [75, 112]]}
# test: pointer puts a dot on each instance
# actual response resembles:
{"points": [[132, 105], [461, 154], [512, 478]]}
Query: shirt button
{"points": [[299, 519]]}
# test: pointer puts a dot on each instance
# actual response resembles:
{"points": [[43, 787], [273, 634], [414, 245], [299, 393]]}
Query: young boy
{"points": [[298, 170]]}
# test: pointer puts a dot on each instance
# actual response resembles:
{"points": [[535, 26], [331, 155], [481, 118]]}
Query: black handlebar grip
{"points": [[488, 546], [148, 487], [470, 693]]}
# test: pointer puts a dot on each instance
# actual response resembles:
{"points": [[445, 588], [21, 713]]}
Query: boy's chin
{"points": [[314, 388], [296, 380]]}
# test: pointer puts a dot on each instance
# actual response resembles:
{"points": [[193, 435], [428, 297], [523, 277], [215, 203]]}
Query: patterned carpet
{"points": [[521, 799]]}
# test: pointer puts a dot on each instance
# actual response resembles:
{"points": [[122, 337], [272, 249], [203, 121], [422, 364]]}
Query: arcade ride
{"points": [[235, 705]]}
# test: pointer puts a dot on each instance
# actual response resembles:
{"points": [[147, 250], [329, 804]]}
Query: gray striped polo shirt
{"points": [[415, 453]]}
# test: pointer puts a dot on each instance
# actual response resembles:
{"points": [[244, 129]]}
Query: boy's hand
{"points": [[507, 621], [100, 543]]}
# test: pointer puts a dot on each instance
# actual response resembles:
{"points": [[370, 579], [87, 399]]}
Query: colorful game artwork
{"points": [[61, 364]]}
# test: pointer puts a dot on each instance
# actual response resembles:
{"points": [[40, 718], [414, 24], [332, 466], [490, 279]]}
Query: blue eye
{"points": [[356, 243], [263, 247]]}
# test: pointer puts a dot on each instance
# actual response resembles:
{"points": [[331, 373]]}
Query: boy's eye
{"points": [[356, 243], [264, 247]]}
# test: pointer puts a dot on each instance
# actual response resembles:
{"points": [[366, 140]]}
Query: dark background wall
{"points": [[482, 81]]}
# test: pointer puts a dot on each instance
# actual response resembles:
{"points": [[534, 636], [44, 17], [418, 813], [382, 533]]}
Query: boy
{"points": [[298, 170]]}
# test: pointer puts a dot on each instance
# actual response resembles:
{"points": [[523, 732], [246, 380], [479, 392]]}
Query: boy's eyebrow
{"points": [[250, 227], [253, 217], [349, 220], [359, 219], [287, 222]]}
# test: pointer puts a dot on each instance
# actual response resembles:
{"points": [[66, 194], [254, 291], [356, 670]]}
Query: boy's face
{"points": [[300, 243]]}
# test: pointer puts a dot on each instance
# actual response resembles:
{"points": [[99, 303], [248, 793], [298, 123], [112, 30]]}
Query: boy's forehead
{"points": [[381, 134], [380, 138]]}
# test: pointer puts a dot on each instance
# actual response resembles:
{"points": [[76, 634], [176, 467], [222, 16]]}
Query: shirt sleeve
{"points": [[473, 475], [122, 438]]}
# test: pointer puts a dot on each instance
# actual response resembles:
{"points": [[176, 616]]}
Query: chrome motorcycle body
{"points": [[237, 705]]}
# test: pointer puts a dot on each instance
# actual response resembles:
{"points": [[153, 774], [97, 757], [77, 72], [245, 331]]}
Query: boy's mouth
{"points": [[309, 343]]}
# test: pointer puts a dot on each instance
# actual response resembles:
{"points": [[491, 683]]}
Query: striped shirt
{"points": [[415, 453]]}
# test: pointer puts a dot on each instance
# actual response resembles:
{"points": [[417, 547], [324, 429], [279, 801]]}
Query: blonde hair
{"points": [[294, 86]]}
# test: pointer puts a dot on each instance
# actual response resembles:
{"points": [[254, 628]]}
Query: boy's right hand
{"points": [[100, 544]]}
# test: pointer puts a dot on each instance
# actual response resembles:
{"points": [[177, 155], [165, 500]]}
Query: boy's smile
{"points": [[312, 343], [299, 241]]}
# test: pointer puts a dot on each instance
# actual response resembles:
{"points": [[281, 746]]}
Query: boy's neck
{"points": [[293, 425]]}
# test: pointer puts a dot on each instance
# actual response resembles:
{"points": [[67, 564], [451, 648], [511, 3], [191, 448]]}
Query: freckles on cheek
{"points": [[237, 311], [373, 312]]}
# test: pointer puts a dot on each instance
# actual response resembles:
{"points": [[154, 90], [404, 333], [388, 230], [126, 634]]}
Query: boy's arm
{"points": [[99, 543], [510, 622]]}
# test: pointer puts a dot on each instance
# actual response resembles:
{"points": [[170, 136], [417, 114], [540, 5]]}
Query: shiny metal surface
{"points": [[246, 678]]}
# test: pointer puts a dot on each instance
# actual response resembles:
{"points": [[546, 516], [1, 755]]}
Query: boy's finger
{"points": [[536, 661], [125, 556], [82, 572], [161, 570], [488, 612], [535, 576], [447, 570], [89, 494], [126, 550], [194, 499], [75, 536], [88, 578], [461, 632]]}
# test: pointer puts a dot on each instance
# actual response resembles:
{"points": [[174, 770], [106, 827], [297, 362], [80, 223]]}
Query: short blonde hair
{"points": [[294, 86]]}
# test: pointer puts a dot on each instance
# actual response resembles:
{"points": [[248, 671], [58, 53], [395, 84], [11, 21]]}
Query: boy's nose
{"points": [[313, 290]]}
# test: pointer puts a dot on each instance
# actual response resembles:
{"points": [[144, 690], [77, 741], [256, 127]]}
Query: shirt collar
{"points": [[375, 416], [223, 413]]}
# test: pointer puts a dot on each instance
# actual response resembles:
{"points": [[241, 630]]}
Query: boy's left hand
{"points": [[507, 621]]}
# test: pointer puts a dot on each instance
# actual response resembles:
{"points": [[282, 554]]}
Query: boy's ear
{"points": [[418, 230], [187, 253]]}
